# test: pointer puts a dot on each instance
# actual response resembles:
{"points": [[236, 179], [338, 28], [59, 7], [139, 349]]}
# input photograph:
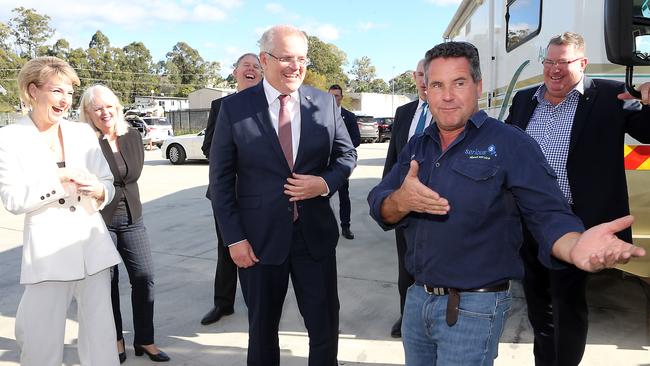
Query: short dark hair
{"points": [[336, 87], [455, 49]]}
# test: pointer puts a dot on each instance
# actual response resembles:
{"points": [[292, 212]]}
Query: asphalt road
{"points": [[181, 228]]}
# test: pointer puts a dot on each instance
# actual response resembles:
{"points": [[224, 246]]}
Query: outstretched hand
{"points": [[644, 89], [599, 248]]}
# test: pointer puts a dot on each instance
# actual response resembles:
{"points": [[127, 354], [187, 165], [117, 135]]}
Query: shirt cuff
{"points": [[235, 243], [326, 186]]}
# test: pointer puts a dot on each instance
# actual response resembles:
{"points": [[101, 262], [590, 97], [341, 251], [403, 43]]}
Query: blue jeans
{"points": [[473, 340]]}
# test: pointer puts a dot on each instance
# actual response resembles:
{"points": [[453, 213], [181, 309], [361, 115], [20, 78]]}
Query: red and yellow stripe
{"points": [[637, 157]]}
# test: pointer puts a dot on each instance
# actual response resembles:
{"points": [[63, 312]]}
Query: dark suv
{"points": [[385, 126]]}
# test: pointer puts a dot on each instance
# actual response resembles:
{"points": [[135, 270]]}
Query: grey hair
{"points": [[454, 49], [236, 64], [121, 127], [569, 39], [267, 41]]}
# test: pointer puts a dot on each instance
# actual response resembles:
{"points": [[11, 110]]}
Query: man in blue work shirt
{"points": [[460, 191]]}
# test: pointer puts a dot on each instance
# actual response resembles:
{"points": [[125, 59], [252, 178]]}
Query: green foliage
{"points": [[30, 30], [326, 66], [404, 83]]}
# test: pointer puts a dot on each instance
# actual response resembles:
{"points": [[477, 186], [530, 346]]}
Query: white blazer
{"points": [[64, 236]]}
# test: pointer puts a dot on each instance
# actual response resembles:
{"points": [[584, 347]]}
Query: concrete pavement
{"points": [[181, 228]]}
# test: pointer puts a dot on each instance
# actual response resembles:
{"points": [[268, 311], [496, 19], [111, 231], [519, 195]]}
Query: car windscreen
{"points": [[157, 121]]}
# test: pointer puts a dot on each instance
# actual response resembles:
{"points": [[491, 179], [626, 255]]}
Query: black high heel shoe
{"points": [[158, 357], [122, 354]]}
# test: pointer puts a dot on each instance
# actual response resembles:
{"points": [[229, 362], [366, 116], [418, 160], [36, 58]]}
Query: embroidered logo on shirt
{"points": [[487, 154]]}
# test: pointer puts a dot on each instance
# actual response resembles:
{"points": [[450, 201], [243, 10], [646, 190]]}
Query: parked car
{"points": [[141, 126], [367, 129], [159, 129], [385, 126], [178, 149]]}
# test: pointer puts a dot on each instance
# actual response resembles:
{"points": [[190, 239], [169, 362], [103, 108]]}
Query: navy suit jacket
{"points": [[595, 165], [400, 135], [350, 120], [248, 172]]}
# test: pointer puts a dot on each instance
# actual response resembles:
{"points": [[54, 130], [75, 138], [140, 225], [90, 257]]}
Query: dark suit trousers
{"points": [[557, 309], [225, 277], [344, 204], [314, 282], [404, 278], [134, 248]]}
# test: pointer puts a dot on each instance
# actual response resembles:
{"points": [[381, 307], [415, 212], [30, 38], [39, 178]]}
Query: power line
{"points": [[124, 72]]}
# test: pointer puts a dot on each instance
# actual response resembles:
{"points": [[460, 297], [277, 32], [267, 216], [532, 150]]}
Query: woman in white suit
{"points": [[53, 171]]}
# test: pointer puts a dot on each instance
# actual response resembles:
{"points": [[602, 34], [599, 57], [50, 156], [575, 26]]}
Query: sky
{"points": [[394, 34]]}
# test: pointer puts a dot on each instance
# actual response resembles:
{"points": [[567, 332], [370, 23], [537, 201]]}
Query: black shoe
{"points": [[396, 330], [215, 314], [158, 357], [345, 231], [122, 355]]}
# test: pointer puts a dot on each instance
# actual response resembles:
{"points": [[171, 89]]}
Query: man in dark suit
{"points": [[350, 120], [247, 73], [410, 119], [580, 124], [281, 151]]}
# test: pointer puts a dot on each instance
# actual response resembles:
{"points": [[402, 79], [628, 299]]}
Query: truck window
{"points": [[523, 22]]}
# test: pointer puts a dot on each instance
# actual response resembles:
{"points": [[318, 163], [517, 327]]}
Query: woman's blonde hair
{"points": [[37, 71], [85, 105]]}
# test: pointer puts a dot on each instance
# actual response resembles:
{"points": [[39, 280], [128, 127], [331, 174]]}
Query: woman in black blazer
{"points": [[123, 149]]}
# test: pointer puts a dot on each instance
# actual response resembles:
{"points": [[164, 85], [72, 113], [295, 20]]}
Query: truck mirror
{"points": [[627, 35]]}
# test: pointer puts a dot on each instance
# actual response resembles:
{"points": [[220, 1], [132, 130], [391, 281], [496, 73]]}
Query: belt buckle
{"points": [[438, 291]]}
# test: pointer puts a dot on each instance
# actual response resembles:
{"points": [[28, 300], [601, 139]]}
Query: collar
{"points": [[272, 94], [477, 119], [578, 88], [420, 103]]}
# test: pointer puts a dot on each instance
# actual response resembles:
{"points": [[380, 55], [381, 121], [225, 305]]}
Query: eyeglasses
{"points": [[559, 63], [302, 61]]}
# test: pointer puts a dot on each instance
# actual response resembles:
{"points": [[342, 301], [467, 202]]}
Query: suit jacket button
{"points": [[78, 198], [290, 208], [47, 195], [61, 201], [72, 209], [53, 192], [42, 198]]}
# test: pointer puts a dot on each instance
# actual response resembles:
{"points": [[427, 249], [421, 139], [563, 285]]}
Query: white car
{"points": [[180, 148]]}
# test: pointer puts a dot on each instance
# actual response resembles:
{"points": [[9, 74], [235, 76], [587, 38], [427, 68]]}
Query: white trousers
{"points": [[41, 315]]}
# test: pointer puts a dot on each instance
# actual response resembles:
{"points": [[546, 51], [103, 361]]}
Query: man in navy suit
{"points": [[350, 120], [580, 124], [407, 118], [281, 151], [247, 73]]}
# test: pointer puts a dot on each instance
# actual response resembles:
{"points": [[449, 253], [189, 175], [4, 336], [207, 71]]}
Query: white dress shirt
{"points": [[294, 113], [416, 118]]}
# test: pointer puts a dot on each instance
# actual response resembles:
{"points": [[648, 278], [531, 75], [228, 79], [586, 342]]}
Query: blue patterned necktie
{"points": [[423, 119]]}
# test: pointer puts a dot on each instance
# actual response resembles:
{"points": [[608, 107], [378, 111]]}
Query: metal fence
{"points": [[9, 118], [188, 120]]}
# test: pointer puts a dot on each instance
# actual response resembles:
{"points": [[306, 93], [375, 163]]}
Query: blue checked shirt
{"points": [[550, 126]]}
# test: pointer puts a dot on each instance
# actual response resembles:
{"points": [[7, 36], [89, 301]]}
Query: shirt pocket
{"points": [[477, 185]]}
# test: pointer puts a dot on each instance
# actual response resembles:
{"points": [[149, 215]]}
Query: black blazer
{"points": [[215, 106], [350, 120], [595, 166], [132, 149], [400, 135]]}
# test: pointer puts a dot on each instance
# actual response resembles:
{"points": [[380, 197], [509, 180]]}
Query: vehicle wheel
{"points": [[176, 154]]}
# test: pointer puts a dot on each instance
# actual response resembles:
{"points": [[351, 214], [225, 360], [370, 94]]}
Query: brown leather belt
{"points": [[453, 300]]}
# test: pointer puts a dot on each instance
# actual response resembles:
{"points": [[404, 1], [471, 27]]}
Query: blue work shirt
{"points": [[493, 174]]}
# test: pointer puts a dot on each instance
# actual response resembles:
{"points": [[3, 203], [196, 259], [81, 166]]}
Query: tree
{"points": [[363, 73], [190, 67], [60, 49], [326, 66], [30, 30], [404, 83], [5, 33], [378, 86], [136, 66]]}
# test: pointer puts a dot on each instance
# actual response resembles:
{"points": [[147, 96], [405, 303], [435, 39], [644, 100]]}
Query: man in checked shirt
{"points": [[580, 124]]}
